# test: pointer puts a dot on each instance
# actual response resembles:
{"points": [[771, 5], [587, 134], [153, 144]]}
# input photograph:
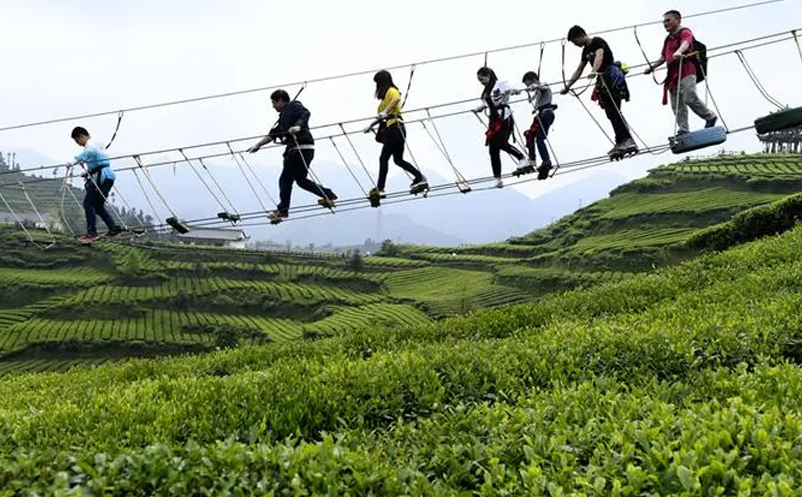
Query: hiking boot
{"points": [[328, 201], [543, 170], [711, 122]]}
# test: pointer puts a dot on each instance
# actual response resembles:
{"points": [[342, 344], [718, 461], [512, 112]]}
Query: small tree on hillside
{"points": [[355, 263], [389, 249]]}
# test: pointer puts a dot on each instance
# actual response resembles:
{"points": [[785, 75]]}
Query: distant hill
{"points": [[643, 224]]}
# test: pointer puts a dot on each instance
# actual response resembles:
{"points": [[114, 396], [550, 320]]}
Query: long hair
{"points": [[486, 71], [384, 81]]}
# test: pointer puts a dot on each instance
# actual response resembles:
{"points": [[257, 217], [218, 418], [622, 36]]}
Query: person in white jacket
{"points": [[495, 98]]}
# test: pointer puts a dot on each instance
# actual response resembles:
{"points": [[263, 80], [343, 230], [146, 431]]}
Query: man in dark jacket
{"points": [[292, 129]]}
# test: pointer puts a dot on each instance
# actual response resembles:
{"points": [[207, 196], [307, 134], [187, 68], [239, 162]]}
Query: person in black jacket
{"points": [[292, 129]]}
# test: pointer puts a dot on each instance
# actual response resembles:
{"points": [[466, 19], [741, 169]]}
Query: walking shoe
{"points": [[87, 238], [329, 201], [628, 145], [421, 182], [543, 170], [277, 215], [711, 123]]}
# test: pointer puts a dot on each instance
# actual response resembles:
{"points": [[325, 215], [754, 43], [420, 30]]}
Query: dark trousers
{"points": [[94, 205], [295, 170], [612, 106], [499, 142], [394, 140], [544, 119]]}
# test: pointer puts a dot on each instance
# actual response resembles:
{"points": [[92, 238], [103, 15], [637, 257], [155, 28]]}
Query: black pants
{"points": [[295, 170], [394, 140], [94, 205], [612, 106], [499, 142]]}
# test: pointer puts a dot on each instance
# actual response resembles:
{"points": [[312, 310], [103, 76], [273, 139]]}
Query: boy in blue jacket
{"points": [[99, 181]]}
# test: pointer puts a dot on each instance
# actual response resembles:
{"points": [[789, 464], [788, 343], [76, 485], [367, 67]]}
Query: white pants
{"points": [[688, 98]]}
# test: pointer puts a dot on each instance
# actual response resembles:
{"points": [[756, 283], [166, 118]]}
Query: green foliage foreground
{"points": [[680, 382]]}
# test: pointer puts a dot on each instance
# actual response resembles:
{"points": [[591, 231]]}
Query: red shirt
{"points": [[670, 47]]}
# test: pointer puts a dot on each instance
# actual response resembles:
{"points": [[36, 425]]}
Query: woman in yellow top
{"points": [[392, 133]]}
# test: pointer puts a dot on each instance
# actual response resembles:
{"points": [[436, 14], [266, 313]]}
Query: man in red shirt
{"points": [[678, 43]]}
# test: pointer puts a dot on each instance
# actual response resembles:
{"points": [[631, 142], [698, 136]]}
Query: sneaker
{"points": [[114, 232], [87, 238], [712, 122], [525, 162], [628, 145], [499, 183], [421, 182], [277, 215]]}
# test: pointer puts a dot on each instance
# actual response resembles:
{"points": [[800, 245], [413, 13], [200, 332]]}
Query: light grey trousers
{"points": [[688, 98]]}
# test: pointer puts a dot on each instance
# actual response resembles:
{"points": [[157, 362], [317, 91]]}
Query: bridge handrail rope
{"points": [[345, 133], [787, 35], [568, 167]]}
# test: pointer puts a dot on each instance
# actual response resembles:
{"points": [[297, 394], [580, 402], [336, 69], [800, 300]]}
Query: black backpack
{"points": [[700, 60]]}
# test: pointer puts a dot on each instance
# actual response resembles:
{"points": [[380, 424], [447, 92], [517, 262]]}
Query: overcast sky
{"points": [[70, 57]]}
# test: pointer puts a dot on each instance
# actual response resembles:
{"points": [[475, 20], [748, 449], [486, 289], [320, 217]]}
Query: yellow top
{"points": [[391, 94]]}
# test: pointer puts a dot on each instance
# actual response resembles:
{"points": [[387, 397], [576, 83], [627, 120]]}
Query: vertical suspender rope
{"points": [[119, 120], [216, 198], [35, 210], [404, 134], [19, 221], [64, 186], [356, 153], [645, 57], [540, 59], [707, 83], [250, 185], [342, 158], [214, 180], [155, 189], [798, 47], [756, 81], [678, 93], [253, 172], [444, 151]]}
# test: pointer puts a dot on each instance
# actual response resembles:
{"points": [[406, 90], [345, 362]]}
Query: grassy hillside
{"points": [[72, 304], [683, 381], [643, 224]]}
